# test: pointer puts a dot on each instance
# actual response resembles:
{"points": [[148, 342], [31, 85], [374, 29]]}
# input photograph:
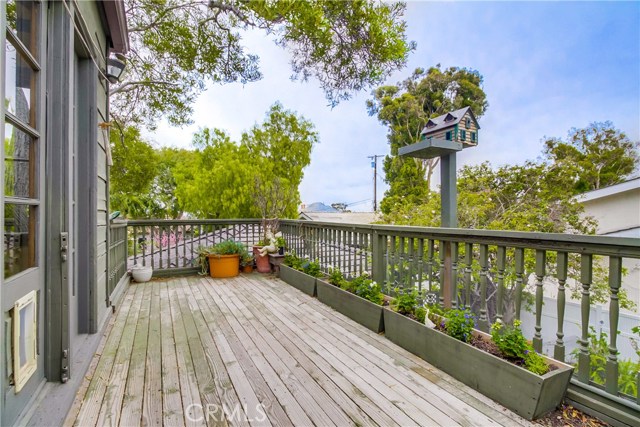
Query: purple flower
{"points": [[526, 352], [442, 324]]}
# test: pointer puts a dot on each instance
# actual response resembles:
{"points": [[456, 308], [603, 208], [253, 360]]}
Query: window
{"points": [[473, 137], [467, 123], [21, 136], [463, 135], [25, 355], [448, 136]]}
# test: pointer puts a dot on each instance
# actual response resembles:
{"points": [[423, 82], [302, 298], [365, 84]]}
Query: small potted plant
{"points": [[224, 259], [281, 244], [246, 262]]}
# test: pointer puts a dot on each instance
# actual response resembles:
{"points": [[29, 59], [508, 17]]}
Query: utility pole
{"points": [[374, 165]]}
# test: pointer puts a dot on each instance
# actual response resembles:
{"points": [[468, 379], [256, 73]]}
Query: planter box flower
{"points": [[527, 394], [363, 311], [299, 280]]}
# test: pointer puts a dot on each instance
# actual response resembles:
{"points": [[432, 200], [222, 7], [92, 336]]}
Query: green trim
{"points": [[455, 133]]}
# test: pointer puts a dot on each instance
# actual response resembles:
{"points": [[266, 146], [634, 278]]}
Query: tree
{"points": [[132, 174], [177, 47], [223, 177], [594, 157], [405, 109], [527, 197]]}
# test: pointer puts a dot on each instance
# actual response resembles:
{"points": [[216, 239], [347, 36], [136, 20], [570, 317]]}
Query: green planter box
{"points": [[299, 280], [525, 393], [358, 309]]}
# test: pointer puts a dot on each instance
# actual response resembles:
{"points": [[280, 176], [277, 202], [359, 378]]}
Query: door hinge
{"points": [[64, 245], [64, 374]]}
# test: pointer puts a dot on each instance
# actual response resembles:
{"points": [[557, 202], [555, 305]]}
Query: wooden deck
{"points": [[254, 351]]}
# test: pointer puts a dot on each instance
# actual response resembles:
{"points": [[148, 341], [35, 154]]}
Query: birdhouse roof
{"points": [[448, 120]]}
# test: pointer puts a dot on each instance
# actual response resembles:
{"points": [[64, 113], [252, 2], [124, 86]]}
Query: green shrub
{"points": [[459, 324], [336, 278], [598, 353], [408, 303], [293, 261], [513, 345], [368, 289], [312, 268], [228, 247]]}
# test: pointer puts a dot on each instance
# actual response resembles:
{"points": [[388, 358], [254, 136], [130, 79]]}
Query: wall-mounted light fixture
{"points": [[115, 67]]}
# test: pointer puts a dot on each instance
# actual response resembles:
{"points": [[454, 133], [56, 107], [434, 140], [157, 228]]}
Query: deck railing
{"points": [[117, 257], [171, 246], [492, 273]]}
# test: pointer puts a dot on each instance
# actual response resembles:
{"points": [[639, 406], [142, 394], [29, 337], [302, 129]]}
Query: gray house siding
{"points": [[73, 304]]}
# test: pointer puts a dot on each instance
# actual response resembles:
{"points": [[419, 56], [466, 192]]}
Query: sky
{"points": [[547, 66]]}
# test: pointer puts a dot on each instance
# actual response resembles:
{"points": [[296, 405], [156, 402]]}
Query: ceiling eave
{"points": [[117, 23]]}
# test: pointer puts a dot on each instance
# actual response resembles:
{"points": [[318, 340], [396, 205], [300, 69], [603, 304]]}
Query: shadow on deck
{"points": [[254, 351]]}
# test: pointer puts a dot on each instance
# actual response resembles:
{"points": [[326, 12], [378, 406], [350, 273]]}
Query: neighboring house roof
{"points": [[117, 23], [343, 217], [448, 120], [623, 187], [616, 208]]}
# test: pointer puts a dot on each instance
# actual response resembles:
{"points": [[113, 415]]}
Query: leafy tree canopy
{"points": [[538, 197], [178, 46], [229, 180], [142, 184], [594, 157], [405, 109]]}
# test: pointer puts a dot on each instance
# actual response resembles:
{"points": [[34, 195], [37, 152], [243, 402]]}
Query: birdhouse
{"points": [[459, 125], [445, 134]]}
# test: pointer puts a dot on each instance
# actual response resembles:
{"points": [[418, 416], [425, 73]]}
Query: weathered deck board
{"points": [[171, 394], [262, 353], [191, 401], [152, 406], [92, 401], [315, 401], [131, 412], [255, 391], [114, 393], [443, 411], [416, 368], [419, 411]]}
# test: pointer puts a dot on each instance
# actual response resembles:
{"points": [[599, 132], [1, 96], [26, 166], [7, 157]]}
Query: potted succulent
{"points": [[224, 258]]}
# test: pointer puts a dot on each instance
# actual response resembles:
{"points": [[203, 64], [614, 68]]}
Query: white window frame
{"points": [[21, 374]]}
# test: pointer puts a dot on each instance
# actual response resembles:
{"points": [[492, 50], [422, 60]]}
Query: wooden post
{"points": [[447, 283], [378, 265]]}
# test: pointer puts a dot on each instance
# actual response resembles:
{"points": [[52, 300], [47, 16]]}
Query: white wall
{"points": [[598, 318]]}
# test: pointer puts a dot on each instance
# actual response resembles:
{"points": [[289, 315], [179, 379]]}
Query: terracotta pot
{"points": [[262, 262], [221, 266], [247, 269]]}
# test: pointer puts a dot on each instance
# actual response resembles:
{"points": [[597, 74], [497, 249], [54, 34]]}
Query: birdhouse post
{"points": [[443, 137]]}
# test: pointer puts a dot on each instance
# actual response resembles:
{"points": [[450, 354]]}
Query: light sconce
{"points": [[115, 67]]}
